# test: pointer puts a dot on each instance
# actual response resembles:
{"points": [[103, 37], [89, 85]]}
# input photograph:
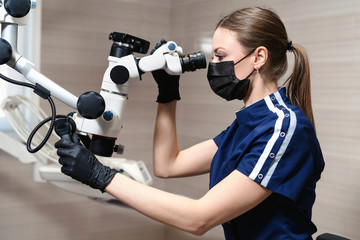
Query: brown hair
{"points": [[255, 27]]}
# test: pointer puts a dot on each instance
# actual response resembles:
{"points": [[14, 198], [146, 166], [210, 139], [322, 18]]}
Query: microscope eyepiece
{"points": [[193, 61]]}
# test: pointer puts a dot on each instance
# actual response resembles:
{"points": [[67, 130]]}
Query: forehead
{"points": [[225, 39]]}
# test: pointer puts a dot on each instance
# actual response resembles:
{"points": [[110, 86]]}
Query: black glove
{"points": [[168, 84], [79, 162]]}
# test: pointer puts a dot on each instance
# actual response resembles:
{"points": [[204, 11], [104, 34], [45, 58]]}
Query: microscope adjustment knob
{"points": [[119, 74], [17, 8], [119, 149], [91, 105], [108, 115], [5, 51], [172, 46]]}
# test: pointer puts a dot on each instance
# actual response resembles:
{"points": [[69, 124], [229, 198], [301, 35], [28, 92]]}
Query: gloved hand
{"points": [[168, 85], [79, 162]]}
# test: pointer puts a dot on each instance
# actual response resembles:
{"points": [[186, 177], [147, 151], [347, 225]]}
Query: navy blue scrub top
{"points": [[273, 143]]}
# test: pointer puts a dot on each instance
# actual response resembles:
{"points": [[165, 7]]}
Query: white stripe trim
{"points": [[270, 144], [285, 143]]}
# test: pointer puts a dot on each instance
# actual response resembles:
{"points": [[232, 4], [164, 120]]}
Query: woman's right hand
{"points": [[168, 85]]}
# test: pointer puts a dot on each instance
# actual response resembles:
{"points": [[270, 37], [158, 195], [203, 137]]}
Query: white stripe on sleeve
{"points": [[267, 151], [284, 144]]}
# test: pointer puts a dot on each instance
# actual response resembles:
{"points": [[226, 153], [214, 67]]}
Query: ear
{"points": [[261, 56]]}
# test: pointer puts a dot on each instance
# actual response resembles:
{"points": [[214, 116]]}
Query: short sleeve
{"points": [[219, 138], [284, 166], [299, 168]]}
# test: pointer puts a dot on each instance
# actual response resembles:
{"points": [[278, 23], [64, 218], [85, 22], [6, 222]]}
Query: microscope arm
{"points": [[27, 69], [14, 13]]}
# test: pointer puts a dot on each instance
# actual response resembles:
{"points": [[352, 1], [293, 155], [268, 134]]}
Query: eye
{"points": [[219, 57]]}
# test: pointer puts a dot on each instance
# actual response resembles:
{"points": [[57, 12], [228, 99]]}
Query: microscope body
{"points": [[124, 68], [114, 90]]}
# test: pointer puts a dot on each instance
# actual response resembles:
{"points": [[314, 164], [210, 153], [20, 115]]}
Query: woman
{"points": [[263, 167]]}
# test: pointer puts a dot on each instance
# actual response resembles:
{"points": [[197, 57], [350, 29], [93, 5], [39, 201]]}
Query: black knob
{"points": [[5, 51], [91, 105], [119, 74], [17, 8], [119, 149]]}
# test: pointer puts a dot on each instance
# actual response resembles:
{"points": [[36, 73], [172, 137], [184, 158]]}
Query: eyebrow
{"points": [[219, 48]]}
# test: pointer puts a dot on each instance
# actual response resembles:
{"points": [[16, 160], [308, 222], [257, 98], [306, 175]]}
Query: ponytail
{"points": [[298, 84]]}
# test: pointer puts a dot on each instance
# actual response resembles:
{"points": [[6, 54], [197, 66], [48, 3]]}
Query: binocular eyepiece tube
{"points": [[193, 61]]}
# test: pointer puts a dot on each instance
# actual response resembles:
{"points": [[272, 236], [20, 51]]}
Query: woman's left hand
{"points": [[77, 161]]}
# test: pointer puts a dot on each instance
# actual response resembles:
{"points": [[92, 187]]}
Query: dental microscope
{"points": [[98, 116]]}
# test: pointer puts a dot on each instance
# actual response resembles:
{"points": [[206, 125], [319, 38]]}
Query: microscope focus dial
{"points": [[119, 74]]}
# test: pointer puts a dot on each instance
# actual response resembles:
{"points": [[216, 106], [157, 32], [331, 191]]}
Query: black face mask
{"points": [[223, 82]]}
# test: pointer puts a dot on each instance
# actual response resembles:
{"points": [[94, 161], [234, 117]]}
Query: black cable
{"points": [[17, 82], [43, 122], [52, 118]]}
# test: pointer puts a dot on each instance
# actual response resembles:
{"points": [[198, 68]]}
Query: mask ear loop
{"points": [[243, 59], [245, 56], [250, 74]]}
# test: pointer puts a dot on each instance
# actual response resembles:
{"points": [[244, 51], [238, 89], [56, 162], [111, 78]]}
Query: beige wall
{"points": [[74, 53]]}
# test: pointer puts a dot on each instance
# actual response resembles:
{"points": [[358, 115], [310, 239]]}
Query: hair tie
{"points": [[290, 46]]}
